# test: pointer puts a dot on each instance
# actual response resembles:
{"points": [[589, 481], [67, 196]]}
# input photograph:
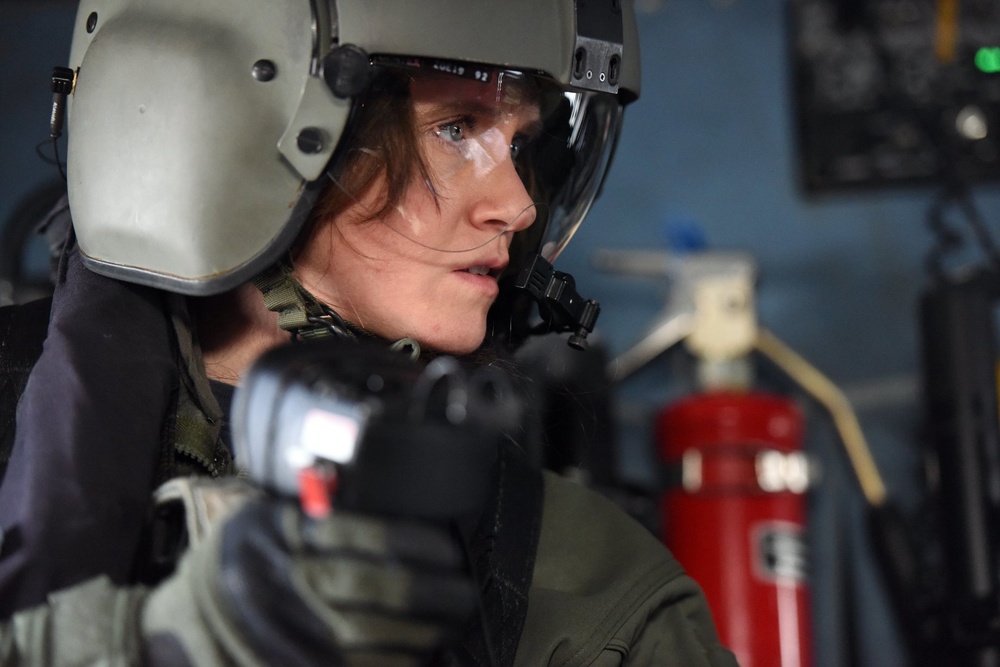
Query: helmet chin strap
{"points": [[560, 305], [304, 317], [299, 312]]}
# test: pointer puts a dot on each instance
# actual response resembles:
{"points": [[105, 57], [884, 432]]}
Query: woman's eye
{"points": [[519, 145], [516, 147], [452, 132]]}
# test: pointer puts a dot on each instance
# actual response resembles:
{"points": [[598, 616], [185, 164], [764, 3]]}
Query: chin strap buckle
{"points": [[560, 305]]}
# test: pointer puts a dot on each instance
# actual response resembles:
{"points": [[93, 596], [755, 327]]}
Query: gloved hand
{"points": [[272, 586]]}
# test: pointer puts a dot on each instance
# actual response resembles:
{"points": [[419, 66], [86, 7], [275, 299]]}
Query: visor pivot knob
{"points": [[311, 140], [264, 70], [346, 70]]}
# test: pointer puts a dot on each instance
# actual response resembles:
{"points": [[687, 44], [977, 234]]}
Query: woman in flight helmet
{"points": [[365, 169]]}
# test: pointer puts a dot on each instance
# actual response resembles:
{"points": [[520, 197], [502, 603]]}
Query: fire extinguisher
{"points": [[734, 516], [734, 506]]}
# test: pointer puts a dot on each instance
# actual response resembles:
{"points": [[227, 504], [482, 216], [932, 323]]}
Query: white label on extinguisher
{"points": [[779, 551]]}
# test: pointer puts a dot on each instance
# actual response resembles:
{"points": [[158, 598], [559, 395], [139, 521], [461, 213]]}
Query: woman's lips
{"points": [[481, 277]]}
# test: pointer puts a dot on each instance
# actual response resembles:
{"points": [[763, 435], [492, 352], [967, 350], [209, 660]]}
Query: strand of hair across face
{"points": [[533, 205], [476, 247]]}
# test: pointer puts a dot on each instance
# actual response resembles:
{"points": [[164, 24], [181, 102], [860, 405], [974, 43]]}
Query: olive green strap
{"points": [[302, 315], [299, 312], [197, 439]]}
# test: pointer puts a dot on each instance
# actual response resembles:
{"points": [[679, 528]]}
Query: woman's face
{"points": [[428, 270]]}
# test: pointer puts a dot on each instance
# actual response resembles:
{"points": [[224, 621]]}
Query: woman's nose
{"points": [[502, 200]]}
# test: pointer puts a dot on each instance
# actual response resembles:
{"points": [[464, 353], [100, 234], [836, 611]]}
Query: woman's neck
{"points": [[234, 329]]}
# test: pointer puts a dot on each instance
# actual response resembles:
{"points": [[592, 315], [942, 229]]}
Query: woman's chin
{"points": [[457, 342]]}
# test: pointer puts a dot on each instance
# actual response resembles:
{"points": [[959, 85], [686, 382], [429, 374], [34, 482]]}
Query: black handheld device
{"points": [[356, 426]]}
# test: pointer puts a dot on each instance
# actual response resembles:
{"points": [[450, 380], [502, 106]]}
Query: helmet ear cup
{"points": [[347, 71]]}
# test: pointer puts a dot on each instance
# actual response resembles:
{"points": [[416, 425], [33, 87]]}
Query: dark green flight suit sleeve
{"points": [[606, 592]]}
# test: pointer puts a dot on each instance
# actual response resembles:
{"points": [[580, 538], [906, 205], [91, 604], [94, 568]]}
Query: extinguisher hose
{"points": [[895, 552], [827, 394]]}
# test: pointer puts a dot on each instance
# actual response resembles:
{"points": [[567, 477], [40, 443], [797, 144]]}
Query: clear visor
{"points": [[513, 151]]}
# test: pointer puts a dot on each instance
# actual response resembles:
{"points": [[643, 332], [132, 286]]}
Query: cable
{"points": [[948, 239], [979, 228], [55, 154], [42, 156], [833, 399]]}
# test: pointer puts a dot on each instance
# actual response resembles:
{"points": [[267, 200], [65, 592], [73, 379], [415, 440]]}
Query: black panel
{"points": [[895, 92]]}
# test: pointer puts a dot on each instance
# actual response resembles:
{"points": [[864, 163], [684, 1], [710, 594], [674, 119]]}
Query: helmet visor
{"points": [[478, 129], [565, 165]]}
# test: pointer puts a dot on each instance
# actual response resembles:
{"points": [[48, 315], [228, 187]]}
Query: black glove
{"points": [[348, 589]]}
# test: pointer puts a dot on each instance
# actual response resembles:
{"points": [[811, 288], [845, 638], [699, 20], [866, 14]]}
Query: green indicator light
{"points": [[988, 59]]}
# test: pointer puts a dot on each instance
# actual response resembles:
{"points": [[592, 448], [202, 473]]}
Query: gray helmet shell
{"points": [[200, 132]]}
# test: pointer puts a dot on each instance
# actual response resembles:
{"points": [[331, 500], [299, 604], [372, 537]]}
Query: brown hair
{"points": [[382, 142]]}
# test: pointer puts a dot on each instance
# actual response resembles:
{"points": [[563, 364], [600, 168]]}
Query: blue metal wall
{"points": [[34, 37], [711, 142]]}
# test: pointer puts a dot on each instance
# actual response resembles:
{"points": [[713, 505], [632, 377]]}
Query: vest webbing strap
{"points": [[302, 315], [298, 311], [198, 423]]}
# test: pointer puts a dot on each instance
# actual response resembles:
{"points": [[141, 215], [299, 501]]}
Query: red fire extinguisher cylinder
{"points": [[734, 515]]}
